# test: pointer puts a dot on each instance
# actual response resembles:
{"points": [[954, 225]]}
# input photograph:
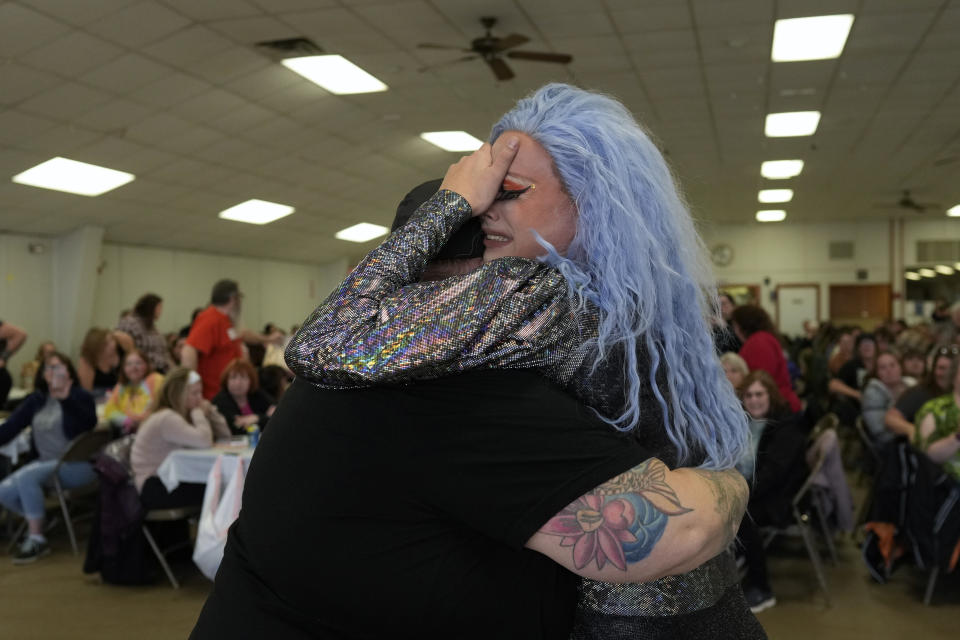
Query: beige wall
{"points": [[276, 291]]}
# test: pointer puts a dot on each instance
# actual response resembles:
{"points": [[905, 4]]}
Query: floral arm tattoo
{"points": [[621, 520]]}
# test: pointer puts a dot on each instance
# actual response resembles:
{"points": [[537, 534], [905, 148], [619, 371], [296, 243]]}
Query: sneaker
{"points": [[759, 599], [30, 550]]}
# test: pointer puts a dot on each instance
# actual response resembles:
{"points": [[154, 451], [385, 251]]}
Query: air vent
{"points": [[841, 250], [938, 251]]}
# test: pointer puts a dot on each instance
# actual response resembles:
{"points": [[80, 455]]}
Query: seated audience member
{"points": [[274, 381], [900, 419], [12, 338], [775, 472], [880, 393], [883, 338], [842, 351], [938, 426], [723, 336], [129, 403], [140, 325], [58, 410], [240, 400], [176, 348], [847, 386], [762, 349], [735, 367], [28, 372], [183, 420], [914, 365], [99, 362]]}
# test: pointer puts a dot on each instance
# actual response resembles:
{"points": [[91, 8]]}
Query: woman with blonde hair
{"points": [[182, 420], [735, 367]]}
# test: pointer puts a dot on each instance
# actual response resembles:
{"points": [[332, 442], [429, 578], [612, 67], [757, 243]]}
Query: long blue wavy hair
{"points": [[637, 256]]}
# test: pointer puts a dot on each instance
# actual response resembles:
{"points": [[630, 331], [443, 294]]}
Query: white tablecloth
{"points": [[193, 465], [20, 444]]}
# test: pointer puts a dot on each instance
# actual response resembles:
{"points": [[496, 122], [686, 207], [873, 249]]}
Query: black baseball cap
{"points": [[466, 242]]}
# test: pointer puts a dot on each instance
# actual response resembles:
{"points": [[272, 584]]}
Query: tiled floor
{"points": [[53, 599]]}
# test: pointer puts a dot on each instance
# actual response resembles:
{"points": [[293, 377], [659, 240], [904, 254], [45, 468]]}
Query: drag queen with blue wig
{"points": [[592, 274]]}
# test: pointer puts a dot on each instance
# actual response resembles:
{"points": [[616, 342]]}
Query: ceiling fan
{"points": [[490, 48], [907, 202]]}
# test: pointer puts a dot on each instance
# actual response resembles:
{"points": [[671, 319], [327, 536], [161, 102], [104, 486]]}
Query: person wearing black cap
{"points": [[403, 511]]}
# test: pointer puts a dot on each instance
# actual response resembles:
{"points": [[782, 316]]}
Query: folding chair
{"points": [[81, 449], [167, 515], [807, 498]]}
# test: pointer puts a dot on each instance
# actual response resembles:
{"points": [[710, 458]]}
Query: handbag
{"points": [[219, 511]]}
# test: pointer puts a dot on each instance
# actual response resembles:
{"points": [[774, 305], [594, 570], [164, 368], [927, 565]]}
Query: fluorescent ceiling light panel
{"points": [[256, 212], [956, 265], [813, 38], [954, 211], [775, 195], [912, 275], [927, 273], [334, 73], [361, 232], [781, 169], [944, 269], [771, 215], [452, 140], [791, 124], [62, 174]]}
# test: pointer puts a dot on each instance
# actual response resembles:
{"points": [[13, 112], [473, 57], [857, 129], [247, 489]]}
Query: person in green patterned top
{"points": [[939, 427]]}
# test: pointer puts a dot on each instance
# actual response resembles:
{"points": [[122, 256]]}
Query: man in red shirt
{"points": [[214, 340]]}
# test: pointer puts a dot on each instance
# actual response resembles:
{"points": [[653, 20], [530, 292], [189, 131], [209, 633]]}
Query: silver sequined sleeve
{"points": [[381, 325]]}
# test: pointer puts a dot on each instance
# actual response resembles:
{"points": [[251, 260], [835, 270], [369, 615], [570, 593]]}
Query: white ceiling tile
{"points": [[16, 126], [804, 8], [328, 22], [156, 128], [62, 140], [188, 45], [887, 32], [737, 43], [716, 13], [72, 54], [189, 141], [214, 9], [879, 68], [126, 73], [207, 106], [22, 29], [264, 82], [574, 25], [241, 118], [139, 24], [114, 116], [78, 13], [65, 101], [933, 65], [109, 151], [20, 82], [897, 6], [405, 16], [656, 18], [146, 159], [249, 31], [222, 67], [283, 6], [169, 90]]}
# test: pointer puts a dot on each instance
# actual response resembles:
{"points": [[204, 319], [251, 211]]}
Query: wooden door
{"points": [[865, 305]]}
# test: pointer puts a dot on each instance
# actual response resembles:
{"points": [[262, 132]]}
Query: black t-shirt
{"points": [[852, 373], [912, 399], [402, 512]]}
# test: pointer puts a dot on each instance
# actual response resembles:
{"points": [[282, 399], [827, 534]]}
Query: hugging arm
{"points": [[646, 523], [382, 325]]}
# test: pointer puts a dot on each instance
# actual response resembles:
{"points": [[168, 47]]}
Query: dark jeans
{"points": [[751, 542]]}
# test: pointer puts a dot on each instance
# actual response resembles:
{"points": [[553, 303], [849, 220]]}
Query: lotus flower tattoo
{"points": [[617, 528]]}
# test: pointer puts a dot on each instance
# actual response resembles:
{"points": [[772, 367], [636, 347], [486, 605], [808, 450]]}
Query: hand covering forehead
{"points": [[466, 242]]}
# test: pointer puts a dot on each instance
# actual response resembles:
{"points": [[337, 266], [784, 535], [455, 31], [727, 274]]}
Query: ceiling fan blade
{"points": [[499, 68], [447, 63], [433, 45], [562, 58], [510, 41]]}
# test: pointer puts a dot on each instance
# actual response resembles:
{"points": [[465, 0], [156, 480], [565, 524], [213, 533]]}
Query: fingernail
{"points": [[512, 143]]}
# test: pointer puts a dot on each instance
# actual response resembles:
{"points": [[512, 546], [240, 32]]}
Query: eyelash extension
{"points": [[511, 194]]}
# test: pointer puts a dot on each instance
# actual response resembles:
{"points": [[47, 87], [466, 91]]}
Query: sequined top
{"points": [[381, 325]]}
